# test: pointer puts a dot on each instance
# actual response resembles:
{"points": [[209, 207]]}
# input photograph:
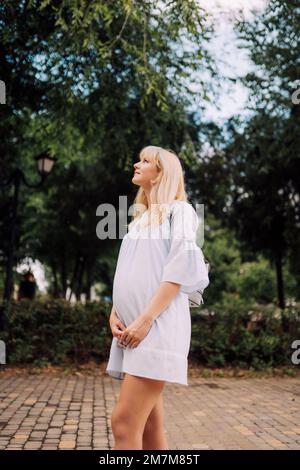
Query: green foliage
{"points": [[230, 333], [255, 281], [250, 180], [264, 151], [235, 271], [95, 82], [233, 333], [57, 332]]}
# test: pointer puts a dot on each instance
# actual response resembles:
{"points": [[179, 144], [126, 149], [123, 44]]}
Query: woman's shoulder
{"points": [[184, 212], [182, 206]]}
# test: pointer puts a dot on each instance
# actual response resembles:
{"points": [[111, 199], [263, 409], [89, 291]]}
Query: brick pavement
{"points": [[73, 412]]}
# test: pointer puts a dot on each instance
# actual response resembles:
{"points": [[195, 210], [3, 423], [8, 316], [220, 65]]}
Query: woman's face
{"points": [[145, 171]]}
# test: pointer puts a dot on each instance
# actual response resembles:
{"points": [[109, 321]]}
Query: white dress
{"points": [[148, 256]]}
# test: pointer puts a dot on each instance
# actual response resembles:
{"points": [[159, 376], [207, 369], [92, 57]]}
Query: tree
{"points": [[264, 157], [95, 81]]}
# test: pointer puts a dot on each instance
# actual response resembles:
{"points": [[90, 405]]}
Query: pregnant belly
{"points": [[137, 277], [132, 293]]}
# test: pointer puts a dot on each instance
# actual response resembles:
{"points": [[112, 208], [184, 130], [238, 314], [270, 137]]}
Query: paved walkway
{"points": [[49, 411]]}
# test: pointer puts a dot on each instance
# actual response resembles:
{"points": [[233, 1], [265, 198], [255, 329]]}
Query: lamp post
{"points": [[45, 164]]}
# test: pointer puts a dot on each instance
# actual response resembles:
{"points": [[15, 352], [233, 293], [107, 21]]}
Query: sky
{"points": [[231, 61]]}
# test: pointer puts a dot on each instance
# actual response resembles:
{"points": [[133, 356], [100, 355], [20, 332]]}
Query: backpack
{"points": [[195, 297]]}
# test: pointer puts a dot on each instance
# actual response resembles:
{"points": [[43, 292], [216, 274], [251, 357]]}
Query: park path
{"points": [[49, 411]]}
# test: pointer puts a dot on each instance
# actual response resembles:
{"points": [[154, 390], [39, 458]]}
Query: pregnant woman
{"points": [[159, 264]]}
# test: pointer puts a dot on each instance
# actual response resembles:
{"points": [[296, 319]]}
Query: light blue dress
{"points": [[148, 256]]}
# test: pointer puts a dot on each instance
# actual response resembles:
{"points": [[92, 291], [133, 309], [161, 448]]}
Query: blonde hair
{"points": [[167, 187]]}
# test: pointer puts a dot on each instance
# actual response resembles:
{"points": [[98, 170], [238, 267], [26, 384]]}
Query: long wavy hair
{"points": [[167, 187]]}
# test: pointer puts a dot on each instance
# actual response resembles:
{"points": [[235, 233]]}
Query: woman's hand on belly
{"points": [[136, 331]]}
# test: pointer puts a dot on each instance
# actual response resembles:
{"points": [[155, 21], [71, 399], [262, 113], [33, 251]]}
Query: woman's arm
{"points": [[139, 328], [113, 310], [114, 313], [113, 318], [161, 300]]}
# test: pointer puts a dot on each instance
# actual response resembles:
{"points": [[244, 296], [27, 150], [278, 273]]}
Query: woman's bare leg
{"points": [[154, 434], [137, 398]]}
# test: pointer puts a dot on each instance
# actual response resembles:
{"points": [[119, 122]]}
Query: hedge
{"points": [[260, 336], [57, 332]]}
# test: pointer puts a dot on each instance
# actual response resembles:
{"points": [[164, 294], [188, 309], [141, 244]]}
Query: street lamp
{"points": [[45, 164]]}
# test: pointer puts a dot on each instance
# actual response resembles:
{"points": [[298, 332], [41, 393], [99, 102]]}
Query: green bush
{"points": [[54, 331], [230, 333], [234, 334]]}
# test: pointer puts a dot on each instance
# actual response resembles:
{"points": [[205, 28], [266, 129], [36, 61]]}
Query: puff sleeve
{"points": [[185, 263]]}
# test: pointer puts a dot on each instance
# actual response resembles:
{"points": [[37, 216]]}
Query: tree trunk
{"points": [[55, 280], [72, 283], [89, 280], [78, 287], [280, 286], [64, 283]]}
